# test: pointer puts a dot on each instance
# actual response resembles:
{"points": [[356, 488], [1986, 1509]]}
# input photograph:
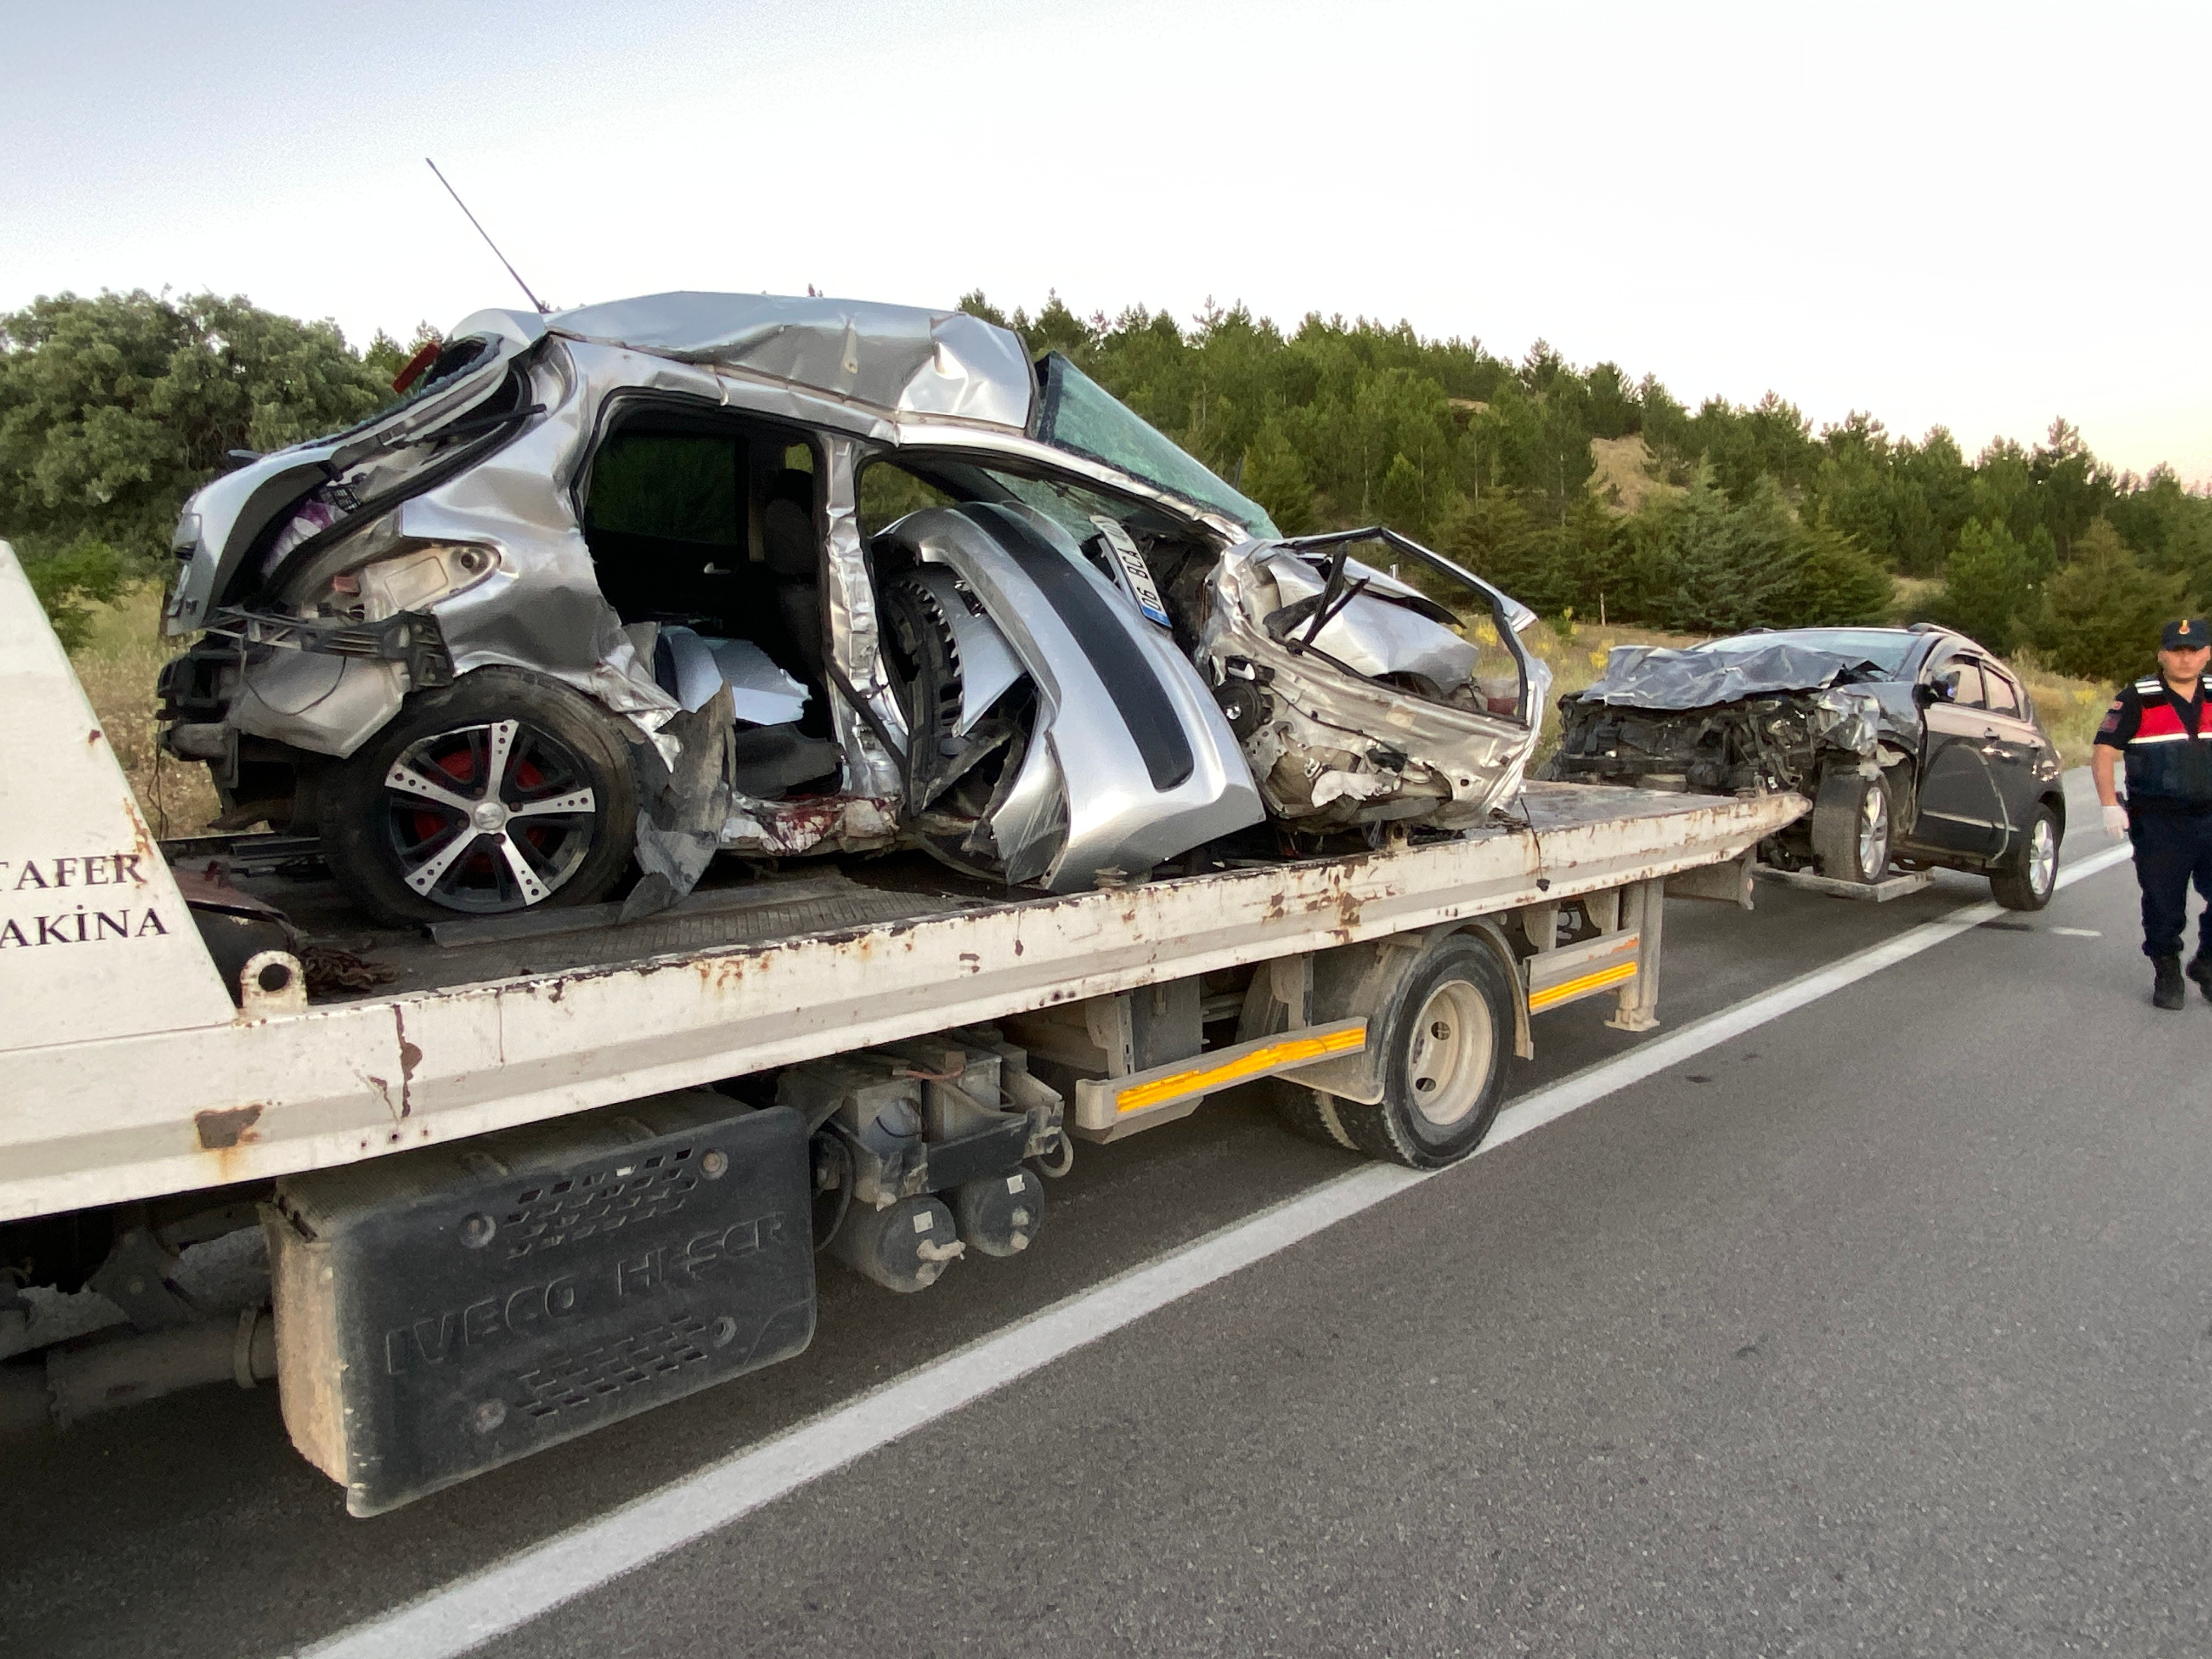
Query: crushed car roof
{"points": [[905, 359]]}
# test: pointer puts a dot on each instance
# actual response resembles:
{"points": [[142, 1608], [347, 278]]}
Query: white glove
{"points": [[2116, 820]]}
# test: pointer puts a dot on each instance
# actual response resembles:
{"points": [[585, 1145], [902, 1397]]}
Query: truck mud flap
{"points": [[443, 1312]]}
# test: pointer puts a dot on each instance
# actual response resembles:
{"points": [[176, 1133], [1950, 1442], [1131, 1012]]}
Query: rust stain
{"points": [[221, 1129], [410, 1056]]}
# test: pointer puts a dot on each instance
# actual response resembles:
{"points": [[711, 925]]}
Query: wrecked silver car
{"points": [[615, 590], [1915, 745]]}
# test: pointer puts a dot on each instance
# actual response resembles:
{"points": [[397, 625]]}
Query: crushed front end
{"points": [[1747, 717], [1360, 699]]}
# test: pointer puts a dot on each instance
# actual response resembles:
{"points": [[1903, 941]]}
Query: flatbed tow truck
{"points": [[530, 1174]]}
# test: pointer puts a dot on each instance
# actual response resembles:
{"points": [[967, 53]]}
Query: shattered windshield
{"points": [[1081, 415]]}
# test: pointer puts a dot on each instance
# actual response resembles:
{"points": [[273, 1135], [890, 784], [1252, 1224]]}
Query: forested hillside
{"points": [[1585, 490], [1582, 490]]}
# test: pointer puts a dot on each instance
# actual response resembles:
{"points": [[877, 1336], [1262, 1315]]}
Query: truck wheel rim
{"points": [[1873, 833], [1447, 1059], [489, 818], [2042, 856]]}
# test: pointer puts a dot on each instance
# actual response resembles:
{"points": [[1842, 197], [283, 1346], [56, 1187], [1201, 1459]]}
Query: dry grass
{"points": [[118, 665], [1622, 475], [2067, 709], [1911, 596], [1577, 657]]}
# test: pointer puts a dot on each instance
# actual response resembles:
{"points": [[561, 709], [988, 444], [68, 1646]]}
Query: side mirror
{"points": [[1926, 696]]}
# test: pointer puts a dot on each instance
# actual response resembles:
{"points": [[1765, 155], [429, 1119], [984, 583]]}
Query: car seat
{"points": [[792, 551]]}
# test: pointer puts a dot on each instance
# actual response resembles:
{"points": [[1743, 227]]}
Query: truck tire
{"points": [[409, 853], [1444, 1040], [1852, 828], [1310, 1114], [2027, 881]]}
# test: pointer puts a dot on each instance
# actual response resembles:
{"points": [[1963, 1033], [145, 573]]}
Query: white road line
{"points": [[473, 1610]]}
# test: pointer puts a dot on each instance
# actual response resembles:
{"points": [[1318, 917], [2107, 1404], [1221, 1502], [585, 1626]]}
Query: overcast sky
{"points": [[1980, 216]]}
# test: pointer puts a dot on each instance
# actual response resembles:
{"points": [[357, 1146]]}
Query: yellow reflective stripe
{"points": [[1288, 1052], [1540, 1000]]}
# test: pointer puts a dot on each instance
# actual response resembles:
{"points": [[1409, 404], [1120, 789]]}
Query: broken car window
{"points": [[1363, 602], [455, 358], [889, 492], [678, 486], [1078, 413], [1958, 682]]}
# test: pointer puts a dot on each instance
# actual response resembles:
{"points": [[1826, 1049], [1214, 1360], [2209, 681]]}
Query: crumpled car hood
{"points": [[1653, 677]]}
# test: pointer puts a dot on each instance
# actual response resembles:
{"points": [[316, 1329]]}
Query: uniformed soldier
{"points": [[2158, 725]]}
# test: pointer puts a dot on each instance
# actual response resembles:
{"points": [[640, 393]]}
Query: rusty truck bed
{"points": [[500, 1025]]}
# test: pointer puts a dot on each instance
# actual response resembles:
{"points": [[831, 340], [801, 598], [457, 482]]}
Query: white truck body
{"points": [[128, 1070]]}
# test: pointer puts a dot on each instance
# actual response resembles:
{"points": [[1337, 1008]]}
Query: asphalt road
{"points": [[1885, 1327]]}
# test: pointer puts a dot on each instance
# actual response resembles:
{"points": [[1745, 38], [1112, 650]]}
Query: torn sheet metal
{"points": [[1357, 703], [683, 804], [1386, 628], [869, 720], [1754, 713], [1127, 760], [1844, 718]]}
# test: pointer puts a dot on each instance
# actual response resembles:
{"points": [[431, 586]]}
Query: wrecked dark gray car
{"points": [[1915, 745], [624, 588]]}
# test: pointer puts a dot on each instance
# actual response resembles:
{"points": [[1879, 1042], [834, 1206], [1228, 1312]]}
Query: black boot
{"points": [[2200, 970], [2167, 993]]}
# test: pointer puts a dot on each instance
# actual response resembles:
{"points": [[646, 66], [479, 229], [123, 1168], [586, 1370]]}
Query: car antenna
{"points": [[543, 308]]}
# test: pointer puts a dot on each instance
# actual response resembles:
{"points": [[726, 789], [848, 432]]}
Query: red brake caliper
{"points": [[459, 764], [527, 776]]}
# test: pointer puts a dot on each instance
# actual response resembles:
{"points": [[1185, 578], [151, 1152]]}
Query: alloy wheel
{"points": [[1873, 833], [489, 818], [2042, 856]]}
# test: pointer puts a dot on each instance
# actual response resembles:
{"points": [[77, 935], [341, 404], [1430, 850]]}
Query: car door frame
{"points": [[2021, 744], [1961, 807]]}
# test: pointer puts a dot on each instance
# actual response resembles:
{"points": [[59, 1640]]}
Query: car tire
{"points": [[1445, 1040], [2028, 881], [399, 842], [1852, 828]]}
